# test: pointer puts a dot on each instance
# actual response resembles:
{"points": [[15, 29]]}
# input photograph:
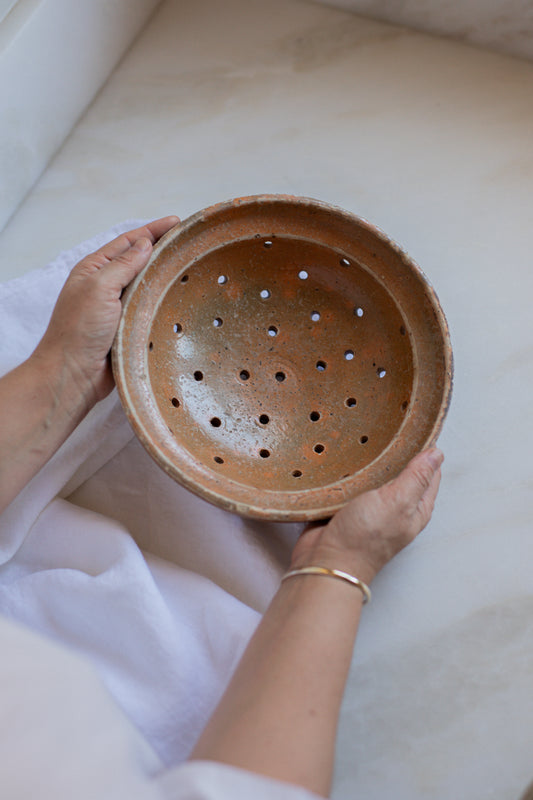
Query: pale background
{"points": [[429, 138], [503, 25]]}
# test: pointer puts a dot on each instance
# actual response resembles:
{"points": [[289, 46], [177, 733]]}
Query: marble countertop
{"points": [[433, 142], [503, 25]]}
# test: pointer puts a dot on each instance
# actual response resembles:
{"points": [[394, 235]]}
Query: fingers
{"points": [[422, 513], [120, 260], [428, 499], [123, 269], [418, 480], [160, 226], [117, 247]]}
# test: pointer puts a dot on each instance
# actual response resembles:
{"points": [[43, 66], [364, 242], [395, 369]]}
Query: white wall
{"points": [[54, 56]]}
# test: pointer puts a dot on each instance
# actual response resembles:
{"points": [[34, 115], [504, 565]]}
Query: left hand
{"points": [[86, 316], [373, 527]]}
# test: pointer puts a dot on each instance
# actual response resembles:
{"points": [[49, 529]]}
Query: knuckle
{"points": [[422, 476], [131, 258], [88, 266], [124, 241], [87, 263], [125, 258]]}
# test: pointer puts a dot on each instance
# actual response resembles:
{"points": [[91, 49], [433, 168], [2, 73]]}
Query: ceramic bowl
{"points": [[278, 356]]}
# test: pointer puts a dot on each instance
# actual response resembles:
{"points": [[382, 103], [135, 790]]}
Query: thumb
{"points": [[123, 269], [417, 478]]}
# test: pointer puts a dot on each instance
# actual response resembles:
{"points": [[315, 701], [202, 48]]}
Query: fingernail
{"points": [[142, 245], [435, 457]]}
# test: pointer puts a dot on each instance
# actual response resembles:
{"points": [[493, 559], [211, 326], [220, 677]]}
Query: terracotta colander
{"points": [[278, 356]]}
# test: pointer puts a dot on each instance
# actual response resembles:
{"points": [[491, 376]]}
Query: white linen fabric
{"points": [[63, 737], [104, 553]]}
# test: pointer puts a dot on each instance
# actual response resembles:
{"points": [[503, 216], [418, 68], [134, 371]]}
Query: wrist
{"points": [[64, 392], [337, 574], [327, 554], [43, 407]]}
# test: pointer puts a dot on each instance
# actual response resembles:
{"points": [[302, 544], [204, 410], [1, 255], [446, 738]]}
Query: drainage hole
{"points": [[296, 473], [351, 402], [217, 322], [314, 416], [315, 316], [177, 327], [363, 439], [222, 279], [303, 275], [268, 243], [151, 346], [175, 402], [184, 278], [402, 330], [348, 355], [264, 453], [321, 366], [264, 293], [244, 374], [404, 405], [218, 460], [280, 377], [215, 422], [319, 448], [272, 331], [358, 311], [381, 372], [264, 419], [345, 262], [198, 376]]}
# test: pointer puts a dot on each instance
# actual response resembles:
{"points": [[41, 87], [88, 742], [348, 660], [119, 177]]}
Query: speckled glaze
{"points": [[279, 356]]}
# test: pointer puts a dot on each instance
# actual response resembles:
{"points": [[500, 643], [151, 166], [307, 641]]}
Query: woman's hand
{"points": [[372, 528], [87, 312], [48, 395]]}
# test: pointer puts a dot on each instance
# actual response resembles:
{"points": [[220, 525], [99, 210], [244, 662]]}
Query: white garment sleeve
{"points": [[62, 736], [207, 780]]}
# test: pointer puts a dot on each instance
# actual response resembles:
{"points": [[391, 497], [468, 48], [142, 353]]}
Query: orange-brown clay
{"points": [[278, 356]]}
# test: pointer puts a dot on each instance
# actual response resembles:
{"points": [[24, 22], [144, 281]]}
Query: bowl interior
{"points": [[280, 363]]}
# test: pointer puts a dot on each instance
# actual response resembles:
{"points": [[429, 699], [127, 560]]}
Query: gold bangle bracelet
{"points": [[332, 573]]}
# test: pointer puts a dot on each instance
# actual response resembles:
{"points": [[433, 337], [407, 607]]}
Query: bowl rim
{"points": [[215, 490]]}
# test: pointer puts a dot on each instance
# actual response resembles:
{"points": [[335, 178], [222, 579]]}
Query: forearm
{"points": [[40, 405], [280, 712]]}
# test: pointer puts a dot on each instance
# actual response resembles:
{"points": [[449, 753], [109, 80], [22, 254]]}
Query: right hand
{"points": [[364, 535]]}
